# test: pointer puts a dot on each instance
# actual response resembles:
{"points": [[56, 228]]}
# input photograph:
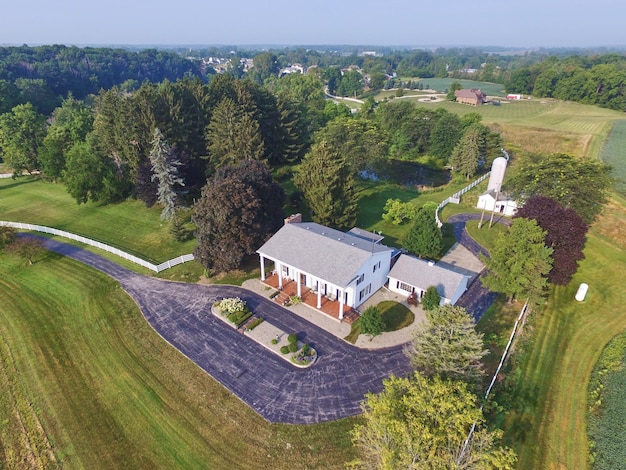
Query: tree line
{"points": [[599, 80]]}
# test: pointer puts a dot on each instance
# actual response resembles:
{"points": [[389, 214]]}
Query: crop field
{"points": [[126, 225], [86, 383], [614, 153], [442, 84]]}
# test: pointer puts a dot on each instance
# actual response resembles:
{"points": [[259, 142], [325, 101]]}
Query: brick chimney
{"points": [[294, 219]]}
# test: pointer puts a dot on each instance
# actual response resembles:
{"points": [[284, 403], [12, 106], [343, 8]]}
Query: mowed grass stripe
{"points": [[110, 393], [548, 425]]}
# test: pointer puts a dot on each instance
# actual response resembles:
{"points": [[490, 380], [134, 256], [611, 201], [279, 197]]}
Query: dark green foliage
{"points": [[431, 298], [371, 322], [359, 141], [448, 346], [70, 123], [351, 83], [425, 238], [238, 318], [581, 185], [468, 153], [292, 338], [86, 70], [445, 134], [90, 176], [519, 261], [254, 323], [565, 234], [21, 135], [240, 208], [454, 86], [293, 347], [327, 183], [284, 349]]}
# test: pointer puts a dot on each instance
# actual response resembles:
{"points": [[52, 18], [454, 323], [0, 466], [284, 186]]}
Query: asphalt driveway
{"points": [[333, 388]]}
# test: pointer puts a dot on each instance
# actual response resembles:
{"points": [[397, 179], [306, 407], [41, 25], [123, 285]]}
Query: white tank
{"points": [[498, 167]]}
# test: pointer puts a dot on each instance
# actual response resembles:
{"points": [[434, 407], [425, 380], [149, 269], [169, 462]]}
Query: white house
{"points": [[413, 275], [348, 267], [498, 202]]}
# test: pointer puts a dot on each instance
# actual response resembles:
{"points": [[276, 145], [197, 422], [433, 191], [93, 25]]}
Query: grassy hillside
{"points": [[86, 383], [126, 225], [614, 153], [547, 425]]}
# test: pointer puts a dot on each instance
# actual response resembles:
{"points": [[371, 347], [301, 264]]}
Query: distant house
{"points": [[493, 200], [410, 275], [347, 267], [471, 96]]}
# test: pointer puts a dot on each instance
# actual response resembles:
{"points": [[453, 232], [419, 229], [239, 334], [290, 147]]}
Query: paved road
{"points": [[280, 392], [477, 299]]}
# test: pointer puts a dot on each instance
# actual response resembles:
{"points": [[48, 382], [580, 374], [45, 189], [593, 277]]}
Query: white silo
{"points": [[498, 167]]}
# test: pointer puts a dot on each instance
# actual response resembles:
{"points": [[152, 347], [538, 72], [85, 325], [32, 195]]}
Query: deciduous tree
{"points": [[21, 136], [431, 298], [398, 212], [519, 262], [565, 234], [582, 185], [371, 321], [240, 208], [422, 423], [27, 248]]}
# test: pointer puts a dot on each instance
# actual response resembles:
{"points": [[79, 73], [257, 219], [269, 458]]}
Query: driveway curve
{"points": [[477, 299], [332, 388]]}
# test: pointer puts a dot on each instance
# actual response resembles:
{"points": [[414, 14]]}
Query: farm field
{"points": [[88, 384], [442, 84], [614, 153]]}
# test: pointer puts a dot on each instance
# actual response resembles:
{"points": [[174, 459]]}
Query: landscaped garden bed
{"points": [[233, 309]]}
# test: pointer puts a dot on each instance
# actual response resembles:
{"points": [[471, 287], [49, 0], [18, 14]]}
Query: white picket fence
{"points": [[116, 251]]}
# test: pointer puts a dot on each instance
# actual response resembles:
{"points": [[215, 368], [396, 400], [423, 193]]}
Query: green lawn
{"points": [[395, 315], [88, 384], [547, 424], [126, 225]]}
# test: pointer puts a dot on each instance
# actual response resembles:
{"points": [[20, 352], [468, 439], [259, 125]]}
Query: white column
{"points": [[341, 305], [279, 272], [262, 268], [298, 284], [319, 297]]}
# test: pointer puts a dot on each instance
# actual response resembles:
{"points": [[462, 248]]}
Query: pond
{"points": [[410, 174]]}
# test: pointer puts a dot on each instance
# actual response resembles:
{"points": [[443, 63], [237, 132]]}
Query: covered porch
{"points": [[327, 305]]}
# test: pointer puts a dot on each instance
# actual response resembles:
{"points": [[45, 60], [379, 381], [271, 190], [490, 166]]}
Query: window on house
{"points": [[404, 286], [365, 291], [360, 279]]}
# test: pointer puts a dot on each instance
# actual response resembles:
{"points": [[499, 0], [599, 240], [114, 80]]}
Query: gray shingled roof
{"points": [[420, 273], [323, 252]]}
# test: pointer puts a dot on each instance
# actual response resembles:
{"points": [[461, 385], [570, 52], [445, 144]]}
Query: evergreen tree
{"points": [[233, 136], [445, 135], [327, 183], [165, 172], [447, 345], [425, 238], [468, 152]]}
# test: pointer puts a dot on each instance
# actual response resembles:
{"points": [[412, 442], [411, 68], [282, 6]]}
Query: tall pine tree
{"points": [[165, 172], [327, 183]]}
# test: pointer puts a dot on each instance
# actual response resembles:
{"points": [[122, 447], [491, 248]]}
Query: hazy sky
{"points": [[530, 23]]}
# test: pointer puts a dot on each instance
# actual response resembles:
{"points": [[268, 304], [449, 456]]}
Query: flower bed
{"points": [[234, 309]]}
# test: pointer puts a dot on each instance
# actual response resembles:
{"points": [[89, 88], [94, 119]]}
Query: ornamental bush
{"points": [[293, 347], [292, 338], [284, 349], [232, 304]]}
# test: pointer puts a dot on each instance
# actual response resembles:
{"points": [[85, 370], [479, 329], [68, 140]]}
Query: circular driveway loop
{"points": [[333, 388]]}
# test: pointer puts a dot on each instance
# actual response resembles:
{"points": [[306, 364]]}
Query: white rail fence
{"points": [[456, 197], [116, 251]]}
